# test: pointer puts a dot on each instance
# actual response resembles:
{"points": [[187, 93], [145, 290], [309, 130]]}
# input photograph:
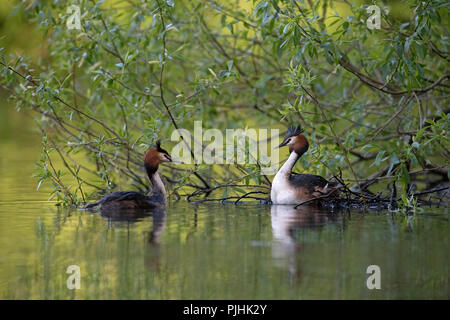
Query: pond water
{"points": [[206, 251]]}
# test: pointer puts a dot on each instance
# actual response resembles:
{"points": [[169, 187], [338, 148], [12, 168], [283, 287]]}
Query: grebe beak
{"points": [[174, 161], [166, 158], [285, 141]]}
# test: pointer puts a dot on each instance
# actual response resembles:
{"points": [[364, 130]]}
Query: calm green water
{"points": [[207, 251]]}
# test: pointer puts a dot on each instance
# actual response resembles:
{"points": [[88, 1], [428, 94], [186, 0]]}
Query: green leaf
{"points": [[286, 28], [230, 65], [393, 162]]}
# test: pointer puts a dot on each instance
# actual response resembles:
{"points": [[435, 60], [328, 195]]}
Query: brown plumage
{"points": [[300, 144], [154, 157]]}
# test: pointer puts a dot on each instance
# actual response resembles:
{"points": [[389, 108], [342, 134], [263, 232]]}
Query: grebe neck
{"points": [[158, 186], [286, 168], [158, 190]]}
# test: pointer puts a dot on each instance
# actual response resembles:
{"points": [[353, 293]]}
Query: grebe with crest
{"points": [[294, 188], [135, 200]]}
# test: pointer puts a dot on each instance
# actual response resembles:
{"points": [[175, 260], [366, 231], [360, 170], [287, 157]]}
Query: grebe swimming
{"points": [[294, 188], [136, 200]]}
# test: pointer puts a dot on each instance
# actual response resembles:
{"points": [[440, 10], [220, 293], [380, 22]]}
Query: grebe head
{"points": [[295, 140], [155, 156]]}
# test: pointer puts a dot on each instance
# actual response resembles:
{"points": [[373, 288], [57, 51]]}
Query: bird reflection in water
{"points": [[132, 216], [288, 226]]}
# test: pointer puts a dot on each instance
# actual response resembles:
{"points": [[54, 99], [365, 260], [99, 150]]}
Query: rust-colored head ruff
{"points": [[154, 157], [295, 140]]}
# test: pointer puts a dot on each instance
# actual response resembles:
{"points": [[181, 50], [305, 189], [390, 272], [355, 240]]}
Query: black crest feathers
{"points": [[158, 147], [294, 131]]}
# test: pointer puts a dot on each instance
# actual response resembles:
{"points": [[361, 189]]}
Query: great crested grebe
{"points": [[136, 200], [294, 188]]}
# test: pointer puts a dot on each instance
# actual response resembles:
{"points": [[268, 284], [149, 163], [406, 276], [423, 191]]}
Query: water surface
{"points": [[206, 251]]}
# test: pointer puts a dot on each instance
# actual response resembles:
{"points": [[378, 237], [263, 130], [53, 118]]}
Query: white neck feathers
{"points": [[286, 169], [158, 185]]}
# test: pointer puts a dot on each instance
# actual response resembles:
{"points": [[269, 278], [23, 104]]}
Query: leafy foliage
{"points": [[374, 103]]}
